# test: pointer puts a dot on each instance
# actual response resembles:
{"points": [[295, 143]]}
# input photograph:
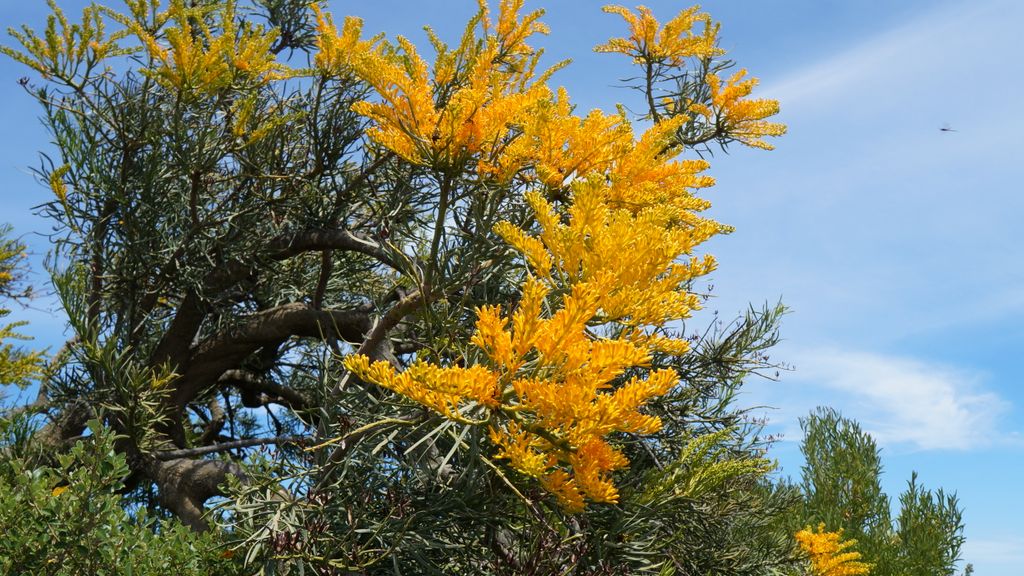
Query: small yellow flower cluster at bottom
{"points": [[826, 552]]}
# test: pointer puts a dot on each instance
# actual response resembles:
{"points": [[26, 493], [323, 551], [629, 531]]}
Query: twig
{"points": [[224, 446]]}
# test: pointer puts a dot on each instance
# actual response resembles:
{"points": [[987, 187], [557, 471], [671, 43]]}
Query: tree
{"points": [[842, 491], [403, 315]]}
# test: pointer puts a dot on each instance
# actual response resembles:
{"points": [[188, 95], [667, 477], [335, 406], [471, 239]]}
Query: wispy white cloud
{"points": [[987, 552], [886, 54], [901, 401]]}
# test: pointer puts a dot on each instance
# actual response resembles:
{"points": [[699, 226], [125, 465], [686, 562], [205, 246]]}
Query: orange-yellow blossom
{"points": [[633, 258], [464, 106], [525, 452], [336, 52], [444, 390], [196, 59], [564, 487], [672, 44], [549, 388], [512, 30], [65, 49], [610, 262], [561, 146], [829, 553], [647, 174], [741, 118]]}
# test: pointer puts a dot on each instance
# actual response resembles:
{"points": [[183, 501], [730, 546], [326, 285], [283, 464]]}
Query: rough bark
{"points": [[319, 240], [185, 485], [262, 390], [222, 352]]}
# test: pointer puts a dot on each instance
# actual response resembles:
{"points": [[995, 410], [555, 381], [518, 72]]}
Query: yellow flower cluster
{"points": [[560, 146], [648, 176], [441, 389], [741, 118], [631, 256], [17, 366], [552, 381], [828, 555], [609, 266], [672, 44], [549, 388], [727, 111], [199, 59], [66, 50], [336, 52], [57, 185], [466, 105]]}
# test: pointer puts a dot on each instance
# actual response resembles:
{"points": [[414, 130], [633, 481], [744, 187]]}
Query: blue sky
{"points": [[897, 246]]}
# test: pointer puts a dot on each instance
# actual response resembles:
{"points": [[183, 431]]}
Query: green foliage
{"points": [[292, 20], [930, 531], [711, 510], [841, 482], [69, 519], [841, 488]]}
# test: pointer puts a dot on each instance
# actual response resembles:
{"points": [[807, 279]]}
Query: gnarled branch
{"points": [[225, 446], [225, 351], [185, 485], [248, 382], [318, 240]]}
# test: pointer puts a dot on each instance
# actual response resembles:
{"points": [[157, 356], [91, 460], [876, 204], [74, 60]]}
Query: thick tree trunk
{"points": [[186, 484]]}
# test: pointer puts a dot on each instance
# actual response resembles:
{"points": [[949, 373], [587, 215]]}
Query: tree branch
{"points": [[185, 485], [225, 446], [319, 240], [174, 344], [406, 304], [372, 345], [225, 351], [326, 266], [249, 382], [215, 425]]}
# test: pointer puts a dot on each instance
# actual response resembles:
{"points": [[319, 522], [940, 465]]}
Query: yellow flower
{"points": [[524, 452], [533, 249], [444, 390], [632, 259], [57, 185], [742, 118], [67, 51], [198, 60], [828, 555], [564, 488], [464, 108], [527, 318], [671, 44], [647, 175], [512, 31], [336, 52], [591, 465], [561, 146], [492, 338]]}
